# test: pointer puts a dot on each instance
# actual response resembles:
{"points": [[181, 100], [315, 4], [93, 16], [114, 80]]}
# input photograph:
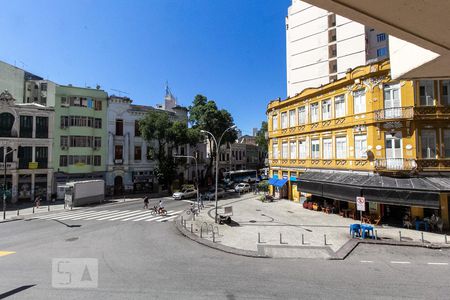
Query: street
{"points": [[150, 259]]}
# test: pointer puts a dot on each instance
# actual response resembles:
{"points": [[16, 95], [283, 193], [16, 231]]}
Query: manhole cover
{"points": [[71, 239], [252, 221], [290, 211], [258, 210]]}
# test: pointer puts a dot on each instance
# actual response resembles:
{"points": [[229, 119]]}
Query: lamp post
{"points": [[217, 160], [196, 174], [5, 153]]}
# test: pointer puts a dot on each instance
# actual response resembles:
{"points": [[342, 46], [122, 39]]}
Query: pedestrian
{"points": [[160, 205], [146, 202], [37, 201]]}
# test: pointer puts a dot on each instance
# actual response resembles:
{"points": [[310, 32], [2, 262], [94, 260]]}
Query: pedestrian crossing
{"points": [[111, 215]]}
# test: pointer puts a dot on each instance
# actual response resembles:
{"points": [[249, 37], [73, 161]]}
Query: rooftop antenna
{"points": [[120, 92]]}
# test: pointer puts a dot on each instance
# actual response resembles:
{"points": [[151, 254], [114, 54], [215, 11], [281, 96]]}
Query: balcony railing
{"points": [[395, 164], [394, 113]]}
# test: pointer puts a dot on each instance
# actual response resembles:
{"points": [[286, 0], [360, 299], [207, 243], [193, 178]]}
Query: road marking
{"points": [[438, 264], [123, 212], [134, 213], [400, 262], [96, 214], [167, 219], [86, 214], [4, 253], [154, 219], [188, 201], [52, 215], [146, 213], [367, 261]]}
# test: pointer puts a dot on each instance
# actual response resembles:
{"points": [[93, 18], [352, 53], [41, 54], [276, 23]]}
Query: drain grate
{"points": [[258, 210], [71, 239], [252, 221], [290, 211]]}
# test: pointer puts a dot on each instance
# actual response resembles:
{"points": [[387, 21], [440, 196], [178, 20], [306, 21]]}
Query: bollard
{"points": [[33, 209], [201, 231], [214, 237], [400, 235], [193, 216], [325, 239], [259, 238], [446, 239], [17, 211], [48, 207], [422, 236], [181, 220], [192, 228], [185, 224], [281, 242], [376, 235], [64, 204], [303, 239]]}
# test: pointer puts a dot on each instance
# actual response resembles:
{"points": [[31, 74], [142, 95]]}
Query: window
{"points": [[341, 147], [118, 152], [26, 126], [64, 122], [447, 143], [98, 105], [315, 149], [284, 120], [360, 146], [41, 156], [292, 118], [302, 150], [42, 127], [302, 115], [314, 112], [64, 102], [445, 99], [6, 124], [97, 160], [119, 127], [97, 142], [25, 155], [381, 52], [381, 37], [339, 106], [428, 140], [327, 149], [284, 150], [137, 129], [97, 123], [275, 122], [64, 142], [359, 101], [63, 160], [426, 92], [326, 109], [293, 150], [275, 150]]}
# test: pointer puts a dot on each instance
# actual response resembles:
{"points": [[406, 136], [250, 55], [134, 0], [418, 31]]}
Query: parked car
{"points": [[211, 194], [242, 187], [184, 194]]}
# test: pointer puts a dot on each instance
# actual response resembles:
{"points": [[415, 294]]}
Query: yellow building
{"points": [[365, 135]]}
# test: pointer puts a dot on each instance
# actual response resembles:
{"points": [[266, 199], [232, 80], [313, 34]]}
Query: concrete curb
{"points": [[223, 248]]}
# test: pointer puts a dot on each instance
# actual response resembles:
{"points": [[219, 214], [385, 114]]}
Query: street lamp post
{"points": [[196, 174], [5, 153], [217, 160]]}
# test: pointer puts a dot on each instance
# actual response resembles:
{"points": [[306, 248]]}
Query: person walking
{"points": [[146, 202], [37, 201]]}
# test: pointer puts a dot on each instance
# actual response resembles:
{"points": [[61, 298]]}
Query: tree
{"points": [[168, 134], [205, 115], [261, 139]]}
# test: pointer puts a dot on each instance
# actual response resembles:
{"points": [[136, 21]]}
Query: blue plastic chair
{"points": [[367, 231], [355, 230]]}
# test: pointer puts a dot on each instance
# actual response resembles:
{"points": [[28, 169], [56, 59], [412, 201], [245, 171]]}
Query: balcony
{"points": [[394, 113], [395, 164]]}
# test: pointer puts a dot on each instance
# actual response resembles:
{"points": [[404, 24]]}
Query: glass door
{"points": [[392, 102], [394, 155]]}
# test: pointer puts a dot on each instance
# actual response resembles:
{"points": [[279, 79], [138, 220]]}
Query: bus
{"points": [[241, 176]]}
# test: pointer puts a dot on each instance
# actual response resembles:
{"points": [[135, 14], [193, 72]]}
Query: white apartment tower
{"points": [[321, 46]]}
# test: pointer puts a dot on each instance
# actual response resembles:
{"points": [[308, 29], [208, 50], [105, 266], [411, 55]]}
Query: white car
{"points": [[242, 187], [211, 195], [184, 194]]}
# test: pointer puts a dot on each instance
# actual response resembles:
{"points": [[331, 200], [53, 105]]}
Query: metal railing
{"points": [[394, 113], [395, 164]]}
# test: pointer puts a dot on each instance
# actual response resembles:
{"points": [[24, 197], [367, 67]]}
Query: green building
{"points": [[80, 134]]}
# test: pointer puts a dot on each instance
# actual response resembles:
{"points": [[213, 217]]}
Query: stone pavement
{"points": [[283, 224]]}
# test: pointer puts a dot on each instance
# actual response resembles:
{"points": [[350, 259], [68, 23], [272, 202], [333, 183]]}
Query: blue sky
{"points": [[230, 51]]}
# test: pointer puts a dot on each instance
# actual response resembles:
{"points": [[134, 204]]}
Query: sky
{"points": [[231, 51]]}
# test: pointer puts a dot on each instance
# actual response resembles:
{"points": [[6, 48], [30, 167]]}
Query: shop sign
{"points": [[361, 203], [32, 165]]}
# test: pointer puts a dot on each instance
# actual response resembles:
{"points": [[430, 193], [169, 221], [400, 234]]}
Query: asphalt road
{"points": [[148, 260]]}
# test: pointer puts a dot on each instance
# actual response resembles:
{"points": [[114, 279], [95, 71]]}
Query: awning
{"points": [[272, 181], [411, 191], [277, 182]]}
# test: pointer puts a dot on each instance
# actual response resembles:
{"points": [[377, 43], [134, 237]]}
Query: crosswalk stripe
{"points": [[56, 214], [400, 262], [144, 218], [147, 213], [167, 219], [173, 213], [134, 213], [100, 213], [71, 215], [123, 212], [438, 264], [154, 219], [82, 214]]}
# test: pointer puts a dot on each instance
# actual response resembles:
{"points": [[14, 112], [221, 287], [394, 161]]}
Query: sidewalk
{"points": [[281, 225]]}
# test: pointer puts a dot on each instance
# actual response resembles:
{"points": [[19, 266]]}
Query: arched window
{"points": [[6, 124]]}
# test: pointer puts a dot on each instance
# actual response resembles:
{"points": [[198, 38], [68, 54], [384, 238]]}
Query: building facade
{"points": [[26, 145], [80, 134], [365, 135], [321, 46]]}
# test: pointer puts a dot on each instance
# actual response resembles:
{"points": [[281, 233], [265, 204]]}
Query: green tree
{"points": [[168, 135], [261, 139], [205, 115]]}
